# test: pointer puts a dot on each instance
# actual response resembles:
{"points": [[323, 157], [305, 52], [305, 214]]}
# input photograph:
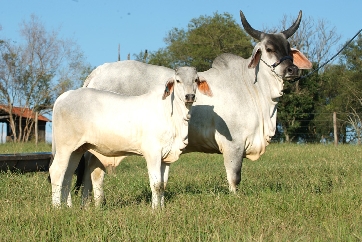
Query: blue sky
{"points": [[99, 26]]}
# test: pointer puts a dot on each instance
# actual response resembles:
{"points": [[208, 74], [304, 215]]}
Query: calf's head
{"points": [[275, 52], [184, 84]]}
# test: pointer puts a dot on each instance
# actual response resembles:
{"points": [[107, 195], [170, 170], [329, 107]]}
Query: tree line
{"points": [[35, 73]]}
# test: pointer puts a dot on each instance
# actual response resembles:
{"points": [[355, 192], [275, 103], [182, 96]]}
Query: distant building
{"points": [[26, 113]]}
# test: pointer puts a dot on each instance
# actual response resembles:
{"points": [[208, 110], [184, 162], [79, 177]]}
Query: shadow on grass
{"points": [[144, 196]]}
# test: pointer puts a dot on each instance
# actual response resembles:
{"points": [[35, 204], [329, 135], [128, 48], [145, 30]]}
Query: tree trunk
{"points": [[36, 128]]}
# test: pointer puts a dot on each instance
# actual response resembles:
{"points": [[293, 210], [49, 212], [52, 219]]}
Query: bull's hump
{"points": [[224, 61]]}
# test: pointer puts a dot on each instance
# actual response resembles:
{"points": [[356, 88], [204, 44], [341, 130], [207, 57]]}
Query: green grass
{"points": [[292, 193], [11, 148]]}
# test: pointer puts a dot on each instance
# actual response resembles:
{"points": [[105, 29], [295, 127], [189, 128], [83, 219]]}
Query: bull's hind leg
{"points": [[97, 170], [156, 180]]}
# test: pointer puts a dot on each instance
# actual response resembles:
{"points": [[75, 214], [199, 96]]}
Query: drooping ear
{"points": [[300, 60], [255, 57], [204, 87], [168, 88]]}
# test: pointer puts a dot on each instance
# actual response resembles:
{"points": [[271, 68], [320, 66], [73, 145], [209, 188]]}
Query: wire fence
{"points": [[321, 129]]}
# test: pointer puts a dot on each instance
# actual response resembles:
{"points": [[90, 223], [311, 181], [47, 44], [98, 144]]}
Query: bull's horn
{"points": [[256, 34], [289, 32]]}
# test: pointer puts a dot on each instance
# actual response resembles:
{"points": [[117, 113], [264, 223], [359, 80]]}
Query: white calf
{"points": [[114, 125]]}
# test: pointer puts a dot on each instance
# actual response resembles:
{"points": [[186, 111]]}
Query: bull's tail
{"points": [[80, 175]]}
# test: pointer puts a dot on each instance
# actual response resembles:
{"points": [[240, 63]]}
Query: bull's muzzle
{"points": [[190, 98], [291, 71]]}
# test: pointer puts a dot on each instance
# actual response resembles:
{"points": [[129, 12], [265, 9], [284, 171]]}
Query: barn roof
{"points": [[24, 112]]}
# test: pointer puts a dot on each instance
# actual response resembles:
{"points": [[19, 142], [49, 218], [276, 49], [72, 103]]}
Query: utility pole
{"points": [[119, 52], [335, 129], [145, 56]]}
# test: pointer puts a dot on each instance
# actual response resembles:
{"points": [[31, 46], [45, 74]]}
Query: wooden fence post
{"points": [[36, 128], [335, 129]]}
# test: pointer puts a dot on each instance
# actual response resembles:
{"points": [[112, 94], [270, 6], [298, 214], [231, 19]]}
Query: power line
{"points": [[310, 73]]}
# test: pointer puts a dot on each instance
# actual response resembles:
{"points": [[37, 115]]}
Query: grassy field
{"points": [[12, 148], [293, 193]]}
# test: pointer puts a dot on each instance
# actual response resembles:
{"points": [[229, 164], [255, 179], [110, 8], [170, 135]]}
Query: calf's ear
{"points": [[204, 87], [255, 57], [168, 88], [300, 60]]}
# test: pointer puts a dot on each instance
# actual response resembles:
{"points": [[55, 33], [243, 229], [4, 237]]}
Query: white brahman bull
{"points": [[240, 120], [107, 123]]}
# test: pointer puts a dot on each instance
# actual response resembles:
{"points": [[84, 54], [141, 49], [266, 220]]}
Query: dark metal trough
{"points": [[25, 162]]}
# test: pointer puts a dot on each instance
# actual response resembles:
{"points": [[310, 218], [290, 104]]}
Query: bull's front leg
{"points": [[233, 159], [156, 180]]}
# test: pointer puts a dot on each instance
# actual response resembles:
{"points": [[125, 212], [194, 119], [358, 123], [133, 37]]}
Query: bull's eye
{"points": [[269, 50], [196, 80]]}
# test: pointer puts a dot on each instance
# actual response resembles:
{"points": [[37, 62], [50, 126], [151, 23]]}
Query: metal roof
{"points": [[23, 112]]}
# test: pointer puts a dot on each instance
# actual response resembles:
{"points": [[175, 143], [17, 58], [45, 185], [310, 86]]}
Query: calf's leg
{"points": [[61, 172], [165, 168], [156, 180]]}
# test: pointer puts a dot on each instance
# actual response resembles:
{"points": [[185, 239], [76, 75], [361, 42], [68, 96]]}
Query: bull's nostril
{"points": [[292, 70]]}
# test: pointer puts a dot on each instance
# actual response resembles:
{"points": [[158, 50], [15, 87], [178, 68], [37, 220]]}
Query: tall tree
{"points": [[204, 39], [35, 72], [341, 92], [351, 62]]}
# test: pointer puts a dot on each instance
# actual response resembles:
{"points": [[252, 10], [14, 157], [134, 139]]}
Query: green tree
{"points": [[341, 92], [206, 37], [351, 78], [296, 110]]}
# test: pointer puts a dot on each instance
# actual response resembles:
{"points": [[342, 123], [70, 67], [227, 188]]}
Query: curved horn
{"points": [[289, 32], [256, 34]]}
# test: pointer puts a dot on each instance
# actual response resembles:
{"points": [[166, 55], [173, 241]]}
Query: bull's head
{"points": [[275, 52], [184, 84]]}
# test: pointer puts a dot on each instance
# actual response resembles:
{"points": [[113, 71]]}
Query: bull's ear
{"points": [[300, 60], [168, 88], [204, 87], [255, 57]]}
